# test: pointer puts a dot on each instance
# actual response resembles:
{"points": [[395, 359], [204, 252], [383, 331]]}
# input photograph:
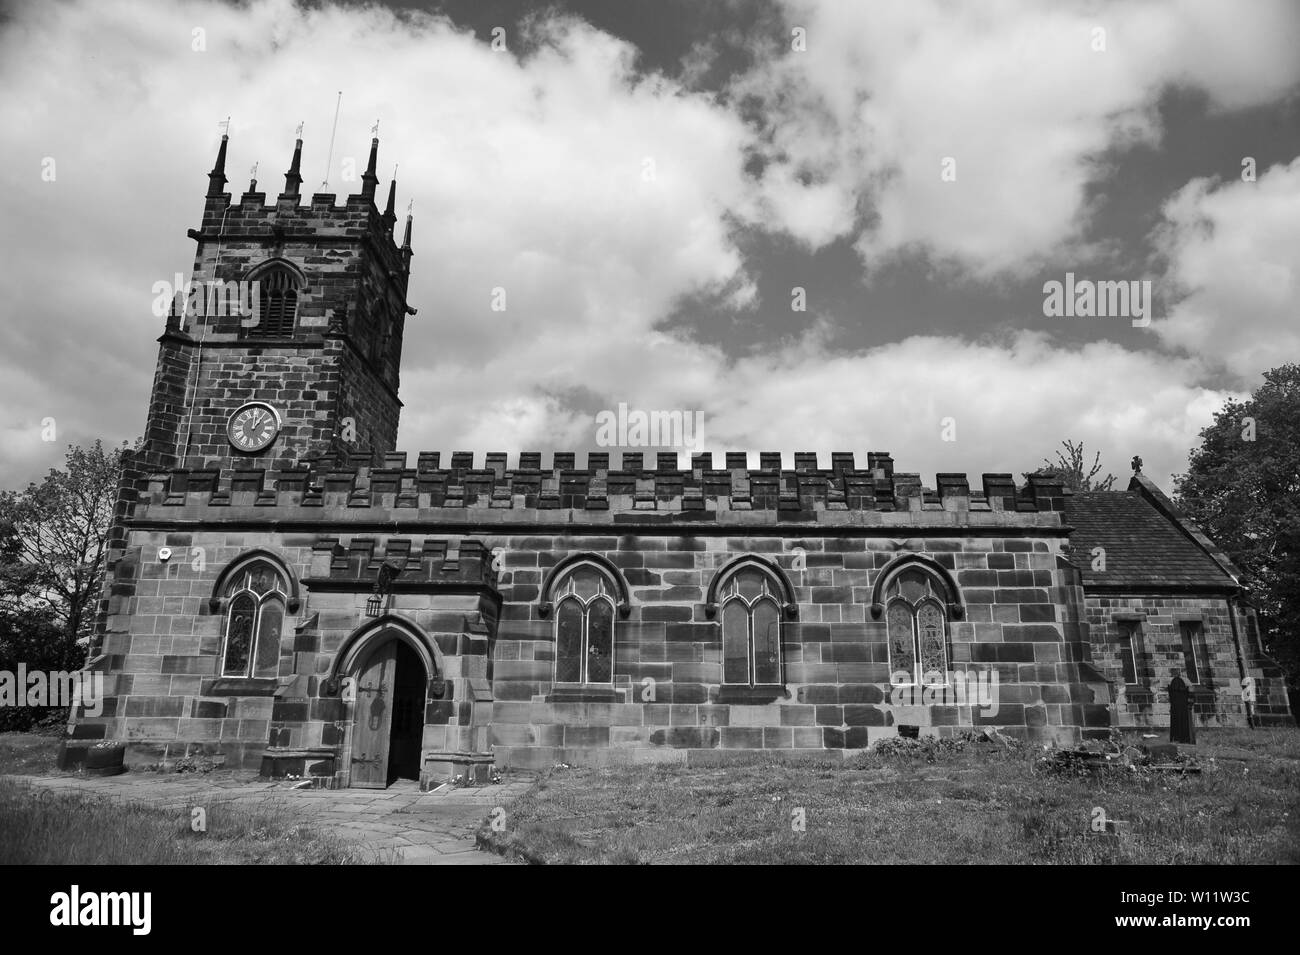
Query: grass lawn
{"points": [[29, 754], [982, 804], [47, 828], [38, 827]]}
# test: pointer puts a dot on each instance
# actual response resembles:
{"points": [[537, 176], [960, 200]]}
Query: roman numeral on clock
{"points": [[253, 427]]}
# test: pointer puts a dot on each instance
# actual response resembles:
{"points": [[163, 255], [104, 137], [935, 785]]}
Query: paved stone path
{"points": [[401, 823]]}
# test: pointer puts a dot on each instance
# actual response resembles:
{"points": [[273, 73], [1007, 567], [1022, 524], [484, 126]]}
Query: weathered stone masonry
{"points": [[334, 378], [321, 607], [475, 546], [1171, 600]]}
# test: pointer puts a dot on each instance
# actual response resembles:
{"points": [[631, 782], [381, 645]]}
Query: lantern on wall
{"points": [[378, 598]]}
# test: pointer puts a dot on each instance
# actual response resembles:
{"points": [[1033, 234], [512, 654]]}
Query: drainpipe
{"points": [[1241, 661]]}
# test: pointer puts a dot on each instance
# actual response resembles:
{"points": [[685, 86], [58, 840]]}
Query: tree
{"points": [[1242, 487], [54, 538], [36, 642], [1070, 468]]}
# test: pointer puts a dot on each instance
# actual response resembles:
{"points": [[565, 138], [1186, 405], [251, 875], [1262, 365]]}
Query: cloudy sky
{"points": [[650, 181]]}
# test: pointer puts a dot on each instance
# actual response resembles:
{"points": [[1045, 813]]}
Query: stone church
{"points": [[287, 593]]}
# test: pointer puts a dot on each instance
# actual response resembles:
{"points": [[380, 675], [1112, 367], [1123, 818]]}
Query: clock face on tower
{"points": [[253, 427]]}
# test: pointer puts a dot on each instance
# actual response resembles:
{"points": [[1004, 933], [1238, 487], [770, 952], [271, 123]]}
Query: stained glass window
{"points": [[254, 622], [929, 632], [259, 581], [239, 634], [584, 627], [600, 642], [569, 620], [751, 629], [767, 643], [735, 642], [918, 646], [902, 655], [268, 638]]}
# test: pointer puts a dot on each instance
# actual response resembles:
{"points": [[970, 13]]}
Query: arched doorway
{"points": [[391, 689]]}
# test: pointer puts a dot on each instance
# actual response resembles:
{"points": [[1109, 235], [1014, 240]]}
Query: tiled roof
{"points": [[1142, 545]]}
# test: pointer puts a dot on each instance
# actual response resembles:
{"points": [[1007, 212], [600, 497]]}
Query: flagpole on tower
{"points": [[330, 158]]}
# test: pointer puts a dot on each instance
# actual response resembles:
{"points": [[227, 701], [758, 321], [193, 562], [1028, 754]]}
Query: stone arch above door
{"points": [[364, 639]]}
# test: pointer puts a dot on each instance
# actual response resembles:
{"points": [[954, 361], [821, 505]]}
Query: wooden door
{"points": [[374, 716]]}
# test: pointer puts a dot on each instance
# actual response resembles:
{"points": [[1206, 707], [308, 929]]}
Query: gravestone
{"points": [[1181, 727]]}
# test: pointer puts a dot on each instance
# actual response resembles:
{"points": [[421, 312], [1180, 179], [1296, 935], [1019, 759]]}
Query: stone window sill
{"points": [[1138, 694], [583, 693], [754, 695], [244, 686]]}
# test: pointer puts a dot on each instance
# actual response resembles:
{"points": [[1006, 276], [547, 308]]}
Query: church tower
{"points": [[285, 345]]}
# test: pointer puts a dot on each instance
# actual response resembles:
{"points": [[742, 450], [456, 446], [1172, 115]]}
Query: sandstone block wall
{"points": [[1220, 652], [837, 671], [474, 549]]}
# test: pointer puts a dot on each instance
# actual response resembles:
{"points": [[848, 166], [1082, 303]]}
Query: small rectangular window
{"points": [[1191, 632], [1130, 650]]}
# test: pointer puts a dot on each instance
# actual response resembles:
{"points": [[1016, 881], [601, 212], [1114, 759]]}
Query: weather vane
{"points": [[374, 130], [298, 131], [225, 125]]}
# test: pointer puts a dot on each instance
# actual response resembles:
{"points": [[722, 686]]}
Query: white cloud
{"points": [[1013, 91], [595, 196], [529, 174], [1234, 266], [1012, 401]]}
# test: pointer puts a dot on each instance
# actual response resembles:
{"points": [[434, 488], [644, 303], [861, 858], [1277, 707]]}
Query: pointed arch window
{"points": [[918, 629], [254, 621], [584, 626], [277, 305], [751, 628]]}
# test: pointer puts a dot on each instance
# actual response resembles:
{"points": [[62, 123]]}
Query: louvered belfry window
{"points": [[278, 307]]}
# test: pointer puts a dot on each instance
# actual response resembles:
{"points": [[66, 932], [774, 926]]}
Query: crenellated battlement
{"points": [[464, 560], [323, 220], [701, 489]]}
